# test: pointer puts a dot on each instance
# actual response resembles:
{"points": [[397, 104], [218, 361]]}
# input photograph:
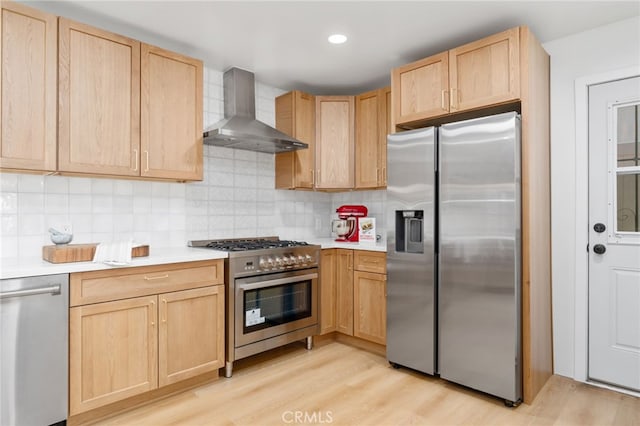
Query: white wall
{"points": [[592, 52]]}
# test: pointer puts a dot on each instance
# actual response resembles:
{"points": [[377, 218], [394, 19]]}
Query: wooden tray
{"points": [[67, 253]]}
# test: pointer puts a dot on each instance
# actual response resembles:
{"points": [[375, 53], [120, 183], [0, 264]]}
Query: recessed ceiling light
{"points": [[337, 38]]}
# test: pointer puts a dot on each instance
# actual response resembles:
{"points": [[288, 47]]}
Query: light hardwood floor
{"points": [[340, 385]]}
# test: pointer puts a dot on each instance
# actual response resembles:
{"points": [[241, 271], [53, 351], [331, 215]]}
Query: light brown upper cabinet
{"points": [[479, 74], [296, 116], [29, 88], [171, 115], [372, 126], [485, 72], [127, 109], [99, 101], [334, 142], [420, 89]]}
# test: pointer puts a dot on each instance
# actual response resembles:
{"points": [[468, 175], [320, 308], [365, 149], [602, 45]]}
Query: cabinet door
{"points": [[29, 88], [171, 115], [99, 101], [112, 352], [370, 305], [328, 288], [334, 142], [368, 129], [296, 116], [344, 291], [420, 89], [385, 118], [191, 333], [372, 126], [485, 72]]}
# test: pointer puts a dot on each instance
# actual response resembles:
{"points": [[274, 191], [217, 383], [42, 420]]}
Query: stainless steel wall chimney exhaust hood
{"points": [[239, 129]]}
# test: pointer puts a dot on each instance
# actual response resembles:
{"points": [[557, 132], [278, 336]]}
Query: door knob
{"points": [[599, 249], [599, 228]]}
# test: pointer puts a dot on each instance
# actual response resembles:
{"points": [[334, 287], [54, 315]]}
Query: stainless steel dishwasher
{"points": [[34, 350]]}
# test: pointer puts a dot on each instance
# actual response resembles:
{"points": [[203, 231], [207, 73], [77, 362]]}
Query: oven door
{"points": [[270, 305]]}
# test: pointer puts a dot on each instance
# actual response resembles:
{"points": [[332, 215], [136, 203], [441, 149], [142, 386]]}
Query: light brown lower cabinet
{"points": [[353, 293], [113, 352], [344, 291], [370, 306], [328, 291], [190, 342], [123, 348]]}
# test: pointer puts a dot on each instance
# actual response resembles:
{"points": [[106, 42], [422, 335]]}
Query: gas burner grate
{"points": [[253, 244]]}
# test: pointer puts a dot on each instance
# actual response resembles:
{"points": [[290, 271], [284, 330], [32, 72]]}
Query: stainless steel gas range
{"points": [[271, 294]]}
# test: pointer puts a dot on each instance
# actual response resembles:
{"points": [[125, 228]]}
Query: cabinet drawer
{"points": [[370, 261], [102, 286]]}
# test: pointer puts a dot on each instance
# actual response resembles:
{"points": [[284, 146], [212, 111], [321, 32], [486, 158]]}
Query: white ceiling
{"points": [[285, 43]]}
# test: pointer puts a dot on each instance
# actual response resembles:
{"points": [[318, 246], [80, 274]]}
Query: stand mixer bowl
{"points": [[343, 228]]}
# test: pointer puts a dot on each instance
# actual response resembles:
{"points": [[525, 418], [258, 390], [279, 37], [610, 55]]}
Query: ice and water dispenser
{"points": [[409, 231]]}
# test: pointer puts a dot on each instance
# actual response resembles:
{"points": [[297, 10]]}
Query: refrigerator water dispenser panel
{"points": [[409, 231]]}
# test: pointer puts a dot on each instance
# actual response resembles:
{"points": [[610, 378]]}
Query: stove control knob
{"points": [[278, 261], [300, 259], [264, 263], [293, 260], [307, 258]]}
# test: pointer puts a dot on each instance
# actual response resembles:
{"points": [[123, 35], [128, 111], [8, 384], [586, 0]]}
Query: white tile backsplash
{"points": [[235, 199], [8, 182], [78, 185], [8, 203], [8, 225], [30, 183]]}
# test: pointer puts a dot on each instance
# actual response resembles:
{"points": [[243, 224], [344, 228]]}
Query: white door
{"points": [[614, 233]]}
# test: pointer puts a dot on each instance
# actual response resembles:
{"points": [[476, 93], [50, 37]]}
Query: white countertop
{"points": [[327, 243], [29, 267]]}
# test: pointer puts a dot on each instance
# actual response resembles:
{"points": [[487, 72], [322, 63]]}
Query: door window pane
{"points": [[627, 171], [628, 140], [628, 202]]}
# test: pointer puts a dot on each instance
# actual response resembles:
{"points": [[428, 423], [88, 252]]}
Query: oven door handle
{"points": [[272, 283]]}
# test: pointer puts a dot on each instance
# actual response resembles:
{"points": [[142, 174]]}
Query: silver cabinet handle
{"points": [[53, 290]]}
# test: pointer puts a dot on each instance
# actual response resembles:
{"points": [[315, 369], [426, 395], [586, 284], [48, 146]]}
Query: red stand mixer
{"points": [[346, 226]]}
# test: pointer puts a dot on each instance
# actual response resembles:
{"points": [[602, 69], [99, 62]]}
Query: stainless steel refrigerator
{"points": [[453, 255]]}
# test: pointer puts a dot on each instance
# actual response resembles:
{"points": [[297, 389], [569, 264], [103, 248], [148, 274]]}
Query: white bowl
{"points": [[61, 238]]}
